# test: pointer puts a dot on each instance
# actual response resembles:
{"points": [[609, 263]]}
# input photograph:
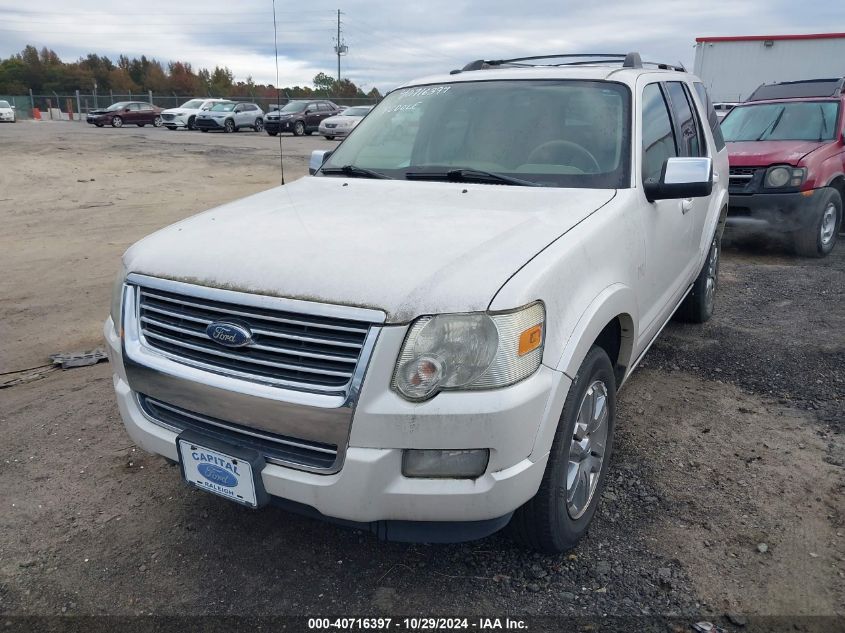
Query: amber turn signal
{"points": [[530, 340]]}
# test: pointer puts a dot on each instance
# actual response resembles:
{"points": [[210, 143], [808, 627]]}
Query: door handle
{"points": [[686, 205]]}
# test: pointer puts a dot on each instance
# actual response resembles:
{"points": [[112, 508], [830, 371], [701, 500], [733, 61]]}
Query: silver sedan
{"points": [[343, 123]]}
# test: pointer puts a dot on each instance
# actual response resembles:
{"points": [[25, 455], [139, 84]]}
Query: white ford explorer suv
{"points": [[425, 337]]}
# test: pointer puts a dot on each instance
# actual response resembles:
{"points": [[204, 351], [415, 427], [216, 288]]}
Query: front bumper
{"points": [[278, 125], [209, 124], [98, 120], [335, 131], [781, 212], [369, 490], [7, 117]]}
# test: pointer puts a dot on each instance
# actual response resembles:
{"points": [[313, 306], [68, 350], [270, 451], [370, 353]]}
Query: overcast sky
{"points": [[390, 42]]}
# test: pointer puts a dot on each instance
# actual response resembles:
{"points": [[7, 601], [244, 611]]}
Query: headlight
{"points": [[469, 351], [784, 175], [117, 299]]}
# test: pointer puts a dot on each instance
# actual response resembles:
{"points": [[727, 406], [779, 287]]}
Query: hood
{"points": [[101, 111], [177, 111], [765, 153], [6, 110], [406, 248]]}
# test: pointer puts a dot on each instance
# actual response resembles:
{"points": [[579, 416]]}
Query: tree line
{"points": [[44, 73]]}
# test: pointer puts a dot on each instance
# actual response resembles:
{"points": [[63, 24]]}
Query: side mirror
{"points": [[682, 178], [14, 107], [126, 109], [318, 157]]}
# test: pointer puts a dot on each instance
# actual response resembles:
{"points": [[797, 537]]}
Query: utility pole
{"points": [[340, 48]]}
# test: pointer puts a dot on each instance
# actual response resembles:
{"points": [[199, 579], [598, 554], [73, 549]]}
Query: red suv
{"points": [[787, 156]]}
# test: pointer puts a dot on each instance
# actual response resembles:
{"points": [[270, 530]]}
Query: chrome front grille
{"points": [[276, 449], [312, 352]]}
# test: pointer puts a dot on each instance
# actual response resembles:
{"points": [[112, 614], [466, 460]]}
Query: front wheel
{"points": [[298, 128], [330, 138], [229, 126], [203, 129], [819, 237], [191, 122], [271, 133], [700, 302], [117, 122], [558, 516], [259, 125], [157, 121]]}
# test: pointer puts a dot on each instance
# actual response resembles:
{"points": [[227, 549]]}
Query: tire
{"points": [[157, 121], [309, 132], [203, 129], [99, 124], [117, 121], [551, 522], [330, 138], [140, 124], [229, 126], [700, 302], [191, 121], [298, 128], [819, 237], [259, 125], [271, 133], [172, 129]]}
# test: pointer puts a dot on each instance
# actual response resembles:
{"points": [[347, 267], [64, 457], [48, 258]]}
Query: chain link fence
{"points": [[75, 106]]}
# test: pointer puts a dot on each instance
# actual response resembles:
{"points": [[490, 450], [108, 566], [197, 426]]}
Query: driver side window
{"points": [[658, 138]]}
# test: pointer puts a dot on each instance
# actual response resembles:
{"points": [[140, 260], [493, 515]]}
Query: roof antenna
{"points": [[278, 90]]}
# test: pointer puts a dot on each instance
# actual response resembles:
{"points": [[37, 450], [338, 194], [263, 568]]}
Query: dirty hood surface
{"points": [[406, 248], [765, 153]]}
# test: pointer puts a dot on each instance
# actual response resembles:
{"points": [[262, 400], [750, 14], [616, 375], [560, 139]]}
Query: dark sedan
{"points": [[123, 113]]}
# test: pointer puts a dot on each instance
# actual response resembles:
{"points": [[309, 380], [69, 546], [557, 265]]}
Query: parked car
{"points": [[185, 115], [425, 339], [138, 113], [788, 164], [723, 108], [343, 123], [7, 112], [299, 117], [231, 117]]}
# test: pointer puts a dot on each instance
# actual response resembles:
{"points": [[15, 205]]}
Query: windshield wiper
{"points": [[464, 174], [355, 172], [771, 129]]}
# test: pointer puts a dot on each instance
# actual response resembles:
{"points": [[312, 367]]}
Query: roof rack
{"points": [[628, 60], [828, 87]]}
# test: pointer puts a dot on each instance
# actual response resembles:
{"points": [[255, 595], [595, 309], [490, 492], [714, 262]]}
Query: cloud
{"points": [[391, 42]]}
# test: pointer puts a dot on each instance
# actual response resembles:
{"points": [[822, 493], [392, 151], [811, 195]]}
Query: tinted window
{"points": [[689, 140], [134, 107], [658, 140], [712, 118]]}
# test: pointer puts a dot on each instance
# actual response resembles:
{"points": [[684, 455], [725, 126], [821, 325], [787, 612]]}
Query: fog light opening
{"points": [[445, 463]]}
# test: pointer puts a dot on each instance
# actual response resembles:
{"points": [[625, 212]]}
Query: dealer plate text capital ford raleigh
{"points": [[425, 337]]}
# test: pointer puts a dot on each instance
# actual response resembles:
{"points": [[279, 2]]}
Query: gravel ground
{"points": [[725, 494]]}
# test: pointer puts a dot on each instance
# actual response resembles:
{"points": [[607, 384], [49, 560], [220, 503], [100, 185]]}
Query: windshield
{"points": [[193, 104], [4, 104], [356, 111], [118, 106], [294, 106], [223, 107], [791, 121], [555, 133]]}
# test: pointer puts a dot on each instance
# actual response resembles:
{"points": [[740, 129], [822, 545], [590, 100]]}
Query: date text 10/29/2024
{"points": [[417, 624]]}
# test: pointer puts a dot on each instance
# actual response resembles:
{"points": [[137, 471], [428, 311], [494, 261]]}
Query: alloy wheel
{"points": [[117, 122], [587, 449], [828, 226], [712, 275]]}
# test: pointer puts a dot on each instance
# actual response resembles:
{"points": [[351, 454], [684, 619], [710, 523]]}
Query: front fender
{"points": [[617, 300]]}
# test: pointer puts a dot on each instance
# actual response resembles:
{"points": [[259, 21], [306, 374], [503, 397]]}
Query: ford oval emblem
{"points": [[229, 334], [217, 475]]}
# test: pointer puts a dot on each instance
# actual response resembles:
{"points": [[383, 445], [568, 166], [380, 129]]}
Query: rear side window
{"points": [[689, 138], [658, 140], [712, 119]]}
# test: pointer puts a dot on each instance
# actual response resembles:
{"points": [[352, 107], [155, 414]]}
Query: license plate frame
{"points": [[222, 469]]}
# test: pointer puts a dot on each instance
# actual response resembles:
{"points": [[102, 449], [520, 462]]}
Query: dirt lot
{"points": [[730, 439]]}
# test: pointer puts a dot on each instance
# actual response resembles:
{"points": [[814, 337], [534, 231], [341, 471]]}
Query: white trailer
{"points": [[732, 67]]}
